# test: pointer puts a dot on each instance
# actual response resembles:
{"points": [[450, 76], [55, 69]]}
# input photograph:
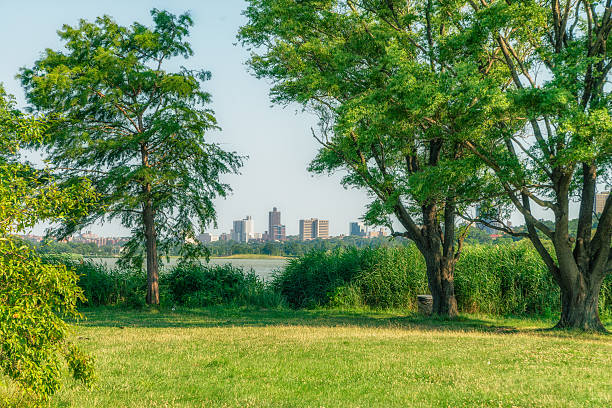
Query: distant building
{"points": [[243, 229], [225, 236], [600, 201], [276, 231], [357, 229], [314, 228], [380, 233], [206, 237]]}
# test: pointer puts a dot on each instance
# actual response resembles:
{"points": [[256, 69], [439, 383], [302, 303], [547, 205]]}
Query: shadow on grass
{"points": [[236, 316]]}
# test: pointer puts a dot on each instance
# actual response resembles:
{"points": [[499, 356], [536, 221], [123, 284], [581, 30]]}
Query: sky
{"points": [[277, 140]]}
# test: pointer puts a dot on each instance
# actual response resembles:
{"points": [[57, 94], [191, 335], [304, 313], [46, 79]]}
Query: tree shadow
{"points": [[252, 317]]}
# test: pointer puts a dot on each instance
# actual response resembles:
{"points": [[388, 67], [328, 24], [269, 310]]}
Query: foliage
{"points": [[138, 131], [559, 65], [508, 279], [35, 297], [104, 286], [197, 285], [393, 91], [188, 284]]}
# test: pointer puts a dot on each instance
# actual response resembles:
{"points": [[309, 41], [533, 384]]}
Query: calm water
{"points": [[262, 267]]}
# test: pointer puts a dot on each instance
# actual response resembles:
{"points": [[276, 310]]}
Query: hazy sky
{"points": [[278, 141]]}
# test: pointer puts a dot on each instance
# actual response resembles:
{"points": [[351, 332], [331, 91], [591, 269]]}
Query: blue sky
{"points": [[277, 140]]}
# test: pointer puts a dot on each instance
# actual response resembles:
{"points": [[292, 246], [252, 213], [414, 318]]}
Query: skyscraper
{"points": [[357, 229], [306, 230], [276, 231], [243, 229], [314, 228], [600, 201]]}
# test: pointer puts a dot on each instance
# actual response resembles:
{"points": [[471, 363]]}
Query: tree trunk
{"points": [[579, 306], [441, 282], [151, 247], [148, 220]]}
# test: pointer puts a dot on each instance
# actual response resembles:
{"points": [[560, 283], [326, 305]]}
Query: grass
{"points": [[251, 256], [237, 357]]}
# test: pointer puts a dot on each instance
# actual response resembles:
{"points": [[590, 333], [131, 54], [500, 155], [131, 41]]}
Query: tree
{"points": [[391, 86], [35, 297], [136, 130], [565, 151]]}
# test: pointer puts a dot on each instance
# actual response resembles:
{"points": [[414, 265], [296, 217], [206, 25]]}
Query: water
{"points": [[262, 267]]}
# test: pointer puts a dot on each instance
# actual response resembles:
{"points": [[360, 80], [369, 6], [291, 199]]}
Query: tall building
{"points": [[357, 229], [314, 228], [600, 201], [378, 234], [322, 229], [243, 230], [206, 237], [276, 231]]}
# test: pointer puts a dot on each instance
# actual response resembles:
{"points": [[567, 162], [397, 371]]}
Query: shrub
{"points": [[506, 279], [375, 277], [102, 285], [197, 285], [314, 278], [35, 297]]}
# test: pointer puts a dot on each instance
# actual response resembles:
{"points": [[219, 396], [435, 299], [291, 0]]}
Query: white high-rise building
{"points": [[249, 228], [243, 229]]}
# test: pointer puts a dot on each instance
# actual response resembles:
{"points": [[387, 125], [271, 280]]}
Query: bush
{"points": [[375, 277], [507, 279], [35, 298], [102, 285], [195, 285], [314, 278]]}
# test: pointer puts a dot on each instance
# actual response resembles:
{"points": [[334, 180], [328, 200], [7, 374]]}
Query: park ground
{"points": [[237, 357]]}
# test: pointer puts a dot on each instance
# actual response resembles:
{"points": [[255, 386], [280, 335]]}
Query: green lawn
{"points": [[244, 358], [251, 256]]}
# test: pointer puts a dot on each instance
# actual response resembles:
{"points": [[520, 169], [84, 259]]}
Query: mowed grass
{"points": [[224, 357]]}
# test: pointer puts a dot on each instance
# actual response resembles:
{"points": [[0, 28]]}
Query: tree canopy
{"points": [[394, 87], [139, 132]]}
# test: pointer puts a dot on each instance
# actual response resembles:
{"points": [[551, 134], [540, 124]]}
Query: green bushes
{"points": [[508, 279], [104, 286], [196, 285], [191, 285], [380, 277]]}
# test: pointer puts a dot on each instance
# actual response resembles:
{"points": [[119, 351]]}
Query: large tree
{"points": [[565, 150], [136, 130], [390, 85]]}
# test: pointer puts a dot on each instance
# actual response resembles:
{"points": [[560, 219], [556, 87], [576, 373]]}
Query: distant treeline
{"points": [[291, 247], [299, 248], [82, 248]]}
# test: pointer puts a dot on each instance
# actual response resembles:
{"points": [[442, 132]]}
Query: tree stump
{"points": [[425, 304]]}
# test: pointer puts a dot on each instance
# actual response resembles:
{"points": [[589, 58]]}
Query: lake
{"points": [[262, 267]]}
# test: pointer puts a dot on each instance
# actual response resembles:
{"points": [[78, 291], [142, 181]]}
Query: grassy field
{"points": [[224, 357], [251, 256]]}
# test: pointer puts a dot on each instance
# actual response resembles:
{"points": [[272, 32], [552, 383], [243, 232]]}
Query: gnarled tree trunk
{"points": [[579, 303], [441, 282]]}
